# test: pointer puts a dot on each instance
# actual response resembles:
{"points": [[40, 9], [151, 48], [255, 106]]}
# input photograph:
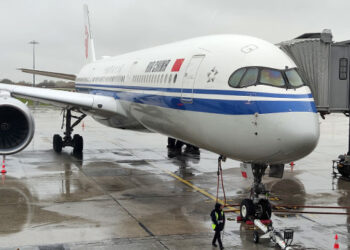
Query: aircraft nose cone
{"points": [[301, 136]]}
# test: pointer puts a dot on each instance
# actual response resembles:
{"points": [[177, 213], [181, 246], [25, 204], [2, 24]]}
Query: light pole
{"points": [[34, 43]]}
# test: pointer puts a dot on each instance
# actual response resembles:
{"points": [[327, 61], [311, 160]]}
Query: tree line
{"points": [[43, 84]]}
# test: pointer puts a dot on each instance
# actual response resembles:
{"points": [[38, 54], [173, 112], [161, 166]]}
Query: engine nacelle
{"points": [[16, 125]]}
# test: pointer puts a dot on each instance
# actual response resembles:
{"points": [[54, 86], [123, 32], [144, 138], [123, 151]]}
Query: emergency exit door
{"points": [[189, 78]]}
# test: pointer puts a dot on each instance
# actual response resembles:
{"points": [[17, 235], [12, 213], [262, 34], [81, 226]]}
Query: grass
{"points": [[32, 103]]}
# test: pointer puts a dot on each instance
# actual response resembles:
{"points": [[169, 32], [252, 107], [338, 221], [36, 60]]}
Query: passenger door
{"points": [[190, 78]]}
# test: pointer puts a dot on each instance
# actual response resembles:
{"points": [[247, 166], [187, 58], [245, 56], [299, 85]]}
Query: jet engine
{"points": [[16, 125]]}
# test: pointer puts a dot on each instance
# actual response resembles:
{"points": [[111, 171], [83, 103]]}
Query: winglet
{"points": [[89, 41]]}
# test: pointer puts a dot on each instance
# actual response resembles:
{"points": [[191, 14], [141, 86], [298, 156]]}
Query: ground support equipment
{"points": [[274, 235]]}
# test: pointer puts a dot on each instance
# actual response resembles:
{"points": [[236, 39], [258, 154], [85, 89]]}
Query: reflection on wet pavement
{"points": [[119, 195]]}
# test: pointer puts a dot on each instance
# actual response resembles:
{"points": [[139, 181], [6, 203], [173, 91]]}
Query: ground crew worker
{"points": [[218, 219]]}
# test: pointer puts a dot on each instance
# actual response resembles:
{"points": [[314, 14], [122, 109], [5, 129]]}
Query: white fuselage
{"points": [[181, 90]]}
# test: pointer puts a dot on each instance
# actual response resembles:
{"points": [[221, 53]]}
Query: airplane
{"points": [[238, 96]]}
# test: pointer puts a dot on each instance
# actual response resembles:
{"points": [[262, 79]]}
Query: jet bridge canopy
{"points": [[324, 65]]}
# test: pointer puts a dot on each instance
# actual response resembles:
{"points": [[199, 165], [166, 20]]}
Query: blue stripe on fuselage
{"points": [[226, 107], [197, 91]]}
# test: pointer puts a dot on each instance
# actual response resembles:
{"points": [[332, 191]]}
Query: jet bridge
{"points": [[324, 65]]}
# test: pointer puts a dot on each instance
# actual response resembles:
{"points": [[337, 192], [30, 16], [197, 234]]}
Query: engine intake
{"points": [[16, 126]]}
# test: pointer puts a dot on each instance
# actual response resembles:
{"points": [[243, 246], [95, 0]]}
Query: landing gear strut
{"points": [[257, 206], [177, 145], [77, 141]]}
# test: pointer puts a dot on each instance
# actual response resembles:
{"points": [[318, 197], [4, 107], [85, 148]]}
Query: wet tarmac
{"points": [[125, 192]]}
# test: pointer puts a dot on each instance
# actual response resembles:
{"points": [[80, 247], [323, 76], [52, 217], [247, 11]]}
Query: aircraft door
{"points": [[190, 78], [130, 72]]}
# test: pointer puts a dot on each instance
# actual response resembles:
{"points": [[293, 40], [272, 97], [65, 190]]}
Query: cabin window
{"points": [[343, 68], [170, 78], [166, 78], [250, 77], [175, 77], [161, 78]]}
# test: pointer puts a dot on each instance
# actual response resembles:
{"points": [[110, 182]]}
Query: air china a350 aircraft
{"points": [[237, 96]]}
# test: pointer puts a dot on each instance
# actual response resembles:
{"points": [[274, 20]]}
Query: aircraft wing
{"points": [[50, 74], [64, 99]]}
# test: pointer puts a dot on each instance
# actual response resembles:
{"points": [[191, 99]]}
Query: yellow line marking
{"points": [[200, 190]]}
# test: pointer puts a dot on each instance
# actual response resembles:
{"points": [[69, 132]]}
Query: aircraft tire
{"points": [[78, 143], [57, 143], [179, 144], [247, 209], [171, 142], [266, 209], [344, 171]]}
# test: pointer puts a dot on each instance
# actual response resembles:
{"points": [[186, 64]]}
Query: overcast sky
{"points": [[121, 26]]}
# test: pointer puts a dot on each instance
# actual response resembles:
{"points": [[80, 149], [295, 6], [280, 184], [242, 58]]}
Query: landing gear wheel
{"points": [[266, 210], [256, 237], [192, 150], [77, 141], [57, 143], [78, 144], [179, 145], [247, 209], [171, 142], [344, 171]]}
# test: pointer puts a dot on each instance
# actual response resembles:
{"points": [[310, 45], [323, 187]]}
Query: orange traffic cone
{"points": [[3, 179], [3, 171], [336, 244]]}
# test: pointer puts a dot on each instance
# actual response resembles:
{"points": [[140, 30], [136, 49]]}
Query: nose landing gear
{"points": [[77, 141], [257, 206]]}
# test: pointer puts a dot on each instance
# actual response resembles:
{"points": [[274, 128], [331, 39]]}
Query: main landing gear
{"points": [[77, 141], [177, 146], [258, 205]]}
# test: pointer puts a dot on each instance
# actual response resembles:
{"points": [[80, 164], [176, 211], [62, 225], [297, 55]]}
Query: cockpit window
{"points": [[249, 77], [272, 77], [236, 77], [293, 78]]}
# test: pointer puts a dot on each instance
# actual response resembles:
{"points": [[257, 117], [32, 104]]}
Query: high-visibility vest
{"points": [[217, 219]]}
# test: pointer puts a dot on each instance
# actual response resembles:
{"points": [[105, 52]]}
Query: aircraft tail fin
{"points": [[89, 41]]}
